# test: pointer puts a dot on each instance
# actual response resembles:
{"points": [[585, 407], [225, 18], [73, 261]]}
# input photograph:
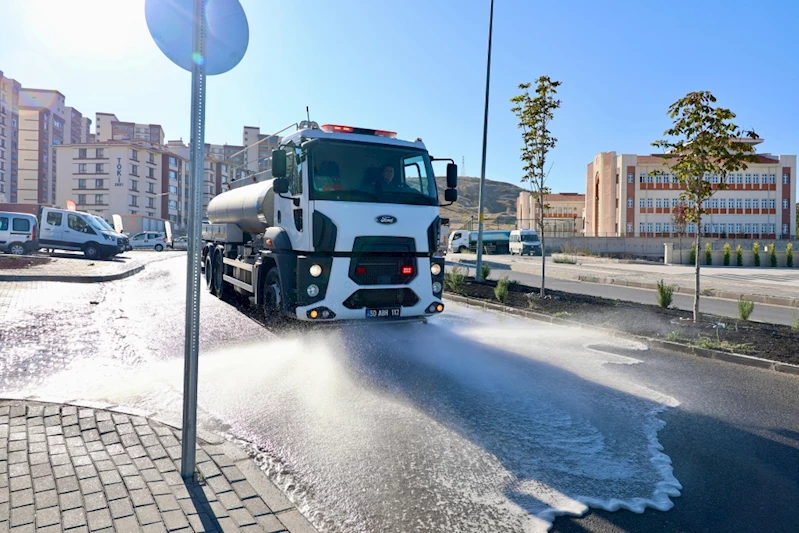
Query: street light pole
{"points": [[191, 355], [481, 201]]}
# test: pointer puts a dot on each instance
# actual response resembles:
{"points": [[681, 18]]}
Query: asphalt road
{"points": [[763, 313], [474, 422]]}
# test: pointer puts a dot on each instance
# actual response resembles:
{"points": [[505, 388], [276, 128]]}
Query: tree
{"points": [[702, 148], [534, 114], [679, 221]]}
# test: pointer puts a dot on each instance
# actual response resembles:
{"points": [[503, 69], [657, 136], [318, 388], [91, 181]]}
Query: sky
{"points": [[418, 67]]}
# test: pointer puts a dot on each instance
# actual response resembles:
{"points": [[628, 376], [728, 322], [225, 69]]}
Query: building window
{"points": [[99, 153], [134, 154], [81, 184], [649, 178], [630, 178], [665, 227], [134, 169], [785, 229], [649, 227], [150, 202], [134, 200], [134, 185], [673, 202], [707, 228], [785, 179], [714, 178], [82, 199], [723, 203], [748, 179], [763, 203], [649, 202], [173, 162], [98, 168], [81, 153], [150, 188], [771, 228], [151, 158], [770, 179], [173, 204], [658, 203], [739, 179], [150, 172], [658, 228], [173, 189], [706, 204], [629, 228], [748, 203], [81, 168], [764, 229], [173, 175], [98, 199], [737, 228], [756, 178], [629, 202], [640, 227], [715, 203], [691, 228], [784, 203], [747, 229], [738, 203]]}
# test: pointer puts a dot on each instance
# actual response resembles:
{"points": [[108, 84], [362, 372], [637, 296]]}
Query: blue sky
{"points": [[418, 67]]}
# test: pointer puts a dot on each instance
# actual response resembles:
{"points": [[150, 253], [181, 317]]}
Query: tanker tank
{"points": [[251, 207]]}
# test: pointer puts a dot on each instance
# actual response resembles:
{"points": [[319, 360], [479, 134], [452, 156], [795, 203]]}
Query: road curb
{"points": [[73, 279], [740, 359], [282, 508]]}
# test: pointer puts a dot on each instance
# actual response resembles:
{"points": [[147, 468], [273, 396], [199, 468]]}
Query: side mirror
{"points": [[451, 195], [452, 176], [281, 186], [278, 163]]}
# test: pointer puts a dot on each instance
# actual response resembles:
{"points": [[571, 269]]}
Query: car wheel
{"points": [[17, 248], [91, 251], [159, 247]]}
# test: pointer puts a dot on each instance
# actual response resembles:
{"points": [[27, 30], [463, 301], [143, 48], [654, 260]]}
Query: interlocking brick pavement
{"points": [[73, 469]]}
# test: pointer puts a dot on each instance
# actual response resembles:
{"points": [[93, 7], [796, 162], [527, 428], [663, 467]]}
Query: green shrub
{"points": [[665, 294], [795, 325], [501, 290], [485, 271], [789, 255], [692, 257], [453, 280], [708, 254], [745, 308], [739, 256], [565, 260], [772, 256], [727, 250], [756, 251]]}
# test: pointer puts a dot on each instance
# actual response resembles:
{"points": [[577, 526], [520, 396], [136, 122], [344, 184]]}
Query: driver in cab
{"points": [[388, 181]]}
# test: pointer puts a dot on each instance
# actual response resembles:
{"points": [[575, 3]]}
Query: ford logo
{"points": [[386, 219]]}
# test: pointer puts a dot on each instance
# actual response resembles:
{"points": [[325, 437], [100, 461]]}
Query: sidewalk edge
{"points": [[73, 279]]}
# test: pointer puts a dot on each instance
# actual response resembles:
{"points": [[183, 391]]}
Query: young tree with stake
{"points": [[534, 114], [703, 148]]}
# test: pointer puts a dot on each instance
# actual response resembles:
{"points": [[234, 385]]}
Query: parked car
{"points": [[18, 233], [149, 240], [180, 243]]}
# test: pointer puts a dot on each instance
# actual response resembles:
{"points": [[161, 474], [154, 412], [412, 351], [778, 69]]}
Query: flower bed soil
{"points": [[769, 341], [13, 262]]}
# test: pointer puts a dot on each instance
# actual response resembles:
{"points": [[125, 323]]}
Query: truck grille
{"points": [[383, 260], [378, 298]]}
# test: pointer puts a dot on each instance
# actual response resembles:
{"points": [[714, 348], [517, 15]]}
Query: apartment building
{"points": [[77, 127], [41, 130], [564, 213], [124, 177], [259, 148], [9, 138], [624, 198], [108, 127]]}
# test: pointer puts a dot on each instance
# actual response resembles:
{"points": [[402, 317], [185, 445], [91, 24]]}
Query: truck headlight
{"points": [[315, 271], [436, 287], [313, 291], [435, 269]]}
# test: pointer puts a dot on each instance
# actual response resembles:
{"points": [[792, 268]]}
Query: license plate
{"points": [[393, 312]]}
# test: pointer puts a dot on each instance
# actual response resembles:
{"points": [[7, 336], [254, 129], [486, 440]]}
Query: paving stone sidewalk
{"points": [[74, 267], [76, 469]]}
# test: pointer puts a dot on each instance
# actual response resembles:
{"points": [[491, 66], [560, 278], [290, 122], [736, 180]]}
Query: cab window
{"points": [[3, 223], [54, 219], [21, 224], [77, 223], [294, 159], [456, 236]]}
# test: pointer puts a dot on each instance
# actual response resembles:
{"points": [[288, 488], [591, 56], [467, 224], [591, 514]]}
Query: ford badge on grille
{"points": [[386, 219]]}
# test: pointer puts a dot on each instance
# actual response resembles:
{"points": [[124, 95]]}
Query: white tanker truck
{"points": [[346, 227]]}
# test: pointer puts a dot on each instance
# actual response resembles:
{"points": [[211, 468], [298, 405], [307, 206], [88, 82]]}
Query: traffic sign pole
{"points": [[193, 272]]}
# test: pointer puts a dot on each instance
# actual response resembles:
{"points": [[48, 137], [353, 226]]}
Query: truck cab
{"points": [[348, 228]]}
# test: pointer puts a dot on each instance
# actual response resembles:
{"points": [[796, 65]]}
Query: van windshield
{"points": [[103, 225], [529, 238], [96, 224]]}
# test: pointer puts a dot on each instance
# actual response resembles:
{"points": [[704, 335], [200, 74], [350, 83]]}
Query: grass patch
{"points": [[710, 343], [565, 260]]}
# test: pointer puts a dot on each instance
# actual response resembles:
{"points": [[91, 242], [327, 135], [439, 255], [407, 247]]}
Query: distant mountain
{"points": [[499, 202]]}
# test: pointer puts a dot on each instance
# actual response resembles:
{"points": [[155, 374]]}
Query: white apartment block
{"points": [[107, 127], [258, 156], [9, 138], [124, 177], [625, 198], [41, 131]]}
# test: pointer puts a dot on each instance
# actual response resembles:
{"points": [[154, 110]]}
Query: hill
{"points": [[499, 203]]}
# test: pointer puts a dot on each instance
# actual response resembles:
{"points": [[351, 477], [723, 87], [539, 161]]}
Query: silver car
{"points": [[180, 243], [18, 233], [149, 240]]}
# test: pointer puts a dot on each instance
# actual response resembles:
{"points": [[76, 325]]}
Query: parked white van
{"points": [[18, 233], [62, 229], [524, 241]]}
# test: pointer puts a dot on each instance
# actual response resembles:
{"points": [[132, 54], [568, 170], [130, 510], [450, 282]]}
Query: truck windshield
{"points": [[361, 172], [529, 238]]}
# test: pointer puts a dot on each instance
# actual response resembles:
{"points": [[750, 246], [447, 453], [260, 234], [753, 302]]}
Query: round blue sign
{"points": [[227, 33]]}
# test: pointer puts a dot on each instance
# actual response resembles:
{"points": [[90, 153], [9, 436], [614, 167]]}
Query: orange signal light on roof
{"points": [[334, 128]]}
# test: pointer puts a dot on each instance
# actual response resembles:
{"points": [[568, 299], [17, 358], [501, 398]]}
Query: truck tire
{"points": [[222, 289], [16, 248], [209, 275], [462, 250], [273, 298], [91, 250]]}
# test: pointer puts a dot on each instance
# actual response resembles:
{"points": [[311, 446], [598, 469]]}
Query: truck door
{"points": [[52, 230], [293, 213]]}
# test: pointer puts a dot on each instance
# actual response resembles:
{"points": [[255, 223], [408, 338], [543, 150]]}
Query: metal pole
{"points": [[481, 200], [191, 349]]}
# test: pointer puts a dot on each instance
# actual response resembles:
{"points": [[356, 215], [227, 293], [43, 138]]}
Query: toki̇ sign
{"points": [[119, 173]]}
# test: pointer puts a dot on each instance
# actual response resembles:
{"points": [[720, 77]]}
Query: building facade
{"points": [[563, 216], [78, 127], [107, 127], [124, 177], [259, 148], [9, 138], [624, 198]]}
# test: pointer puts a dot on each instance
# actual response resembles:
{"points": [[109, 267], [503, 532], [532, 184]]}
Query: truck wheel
{"points": [[273, 298], [221, 288], [91, 250], [209, 276], [17, 248], [462, 250]]}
